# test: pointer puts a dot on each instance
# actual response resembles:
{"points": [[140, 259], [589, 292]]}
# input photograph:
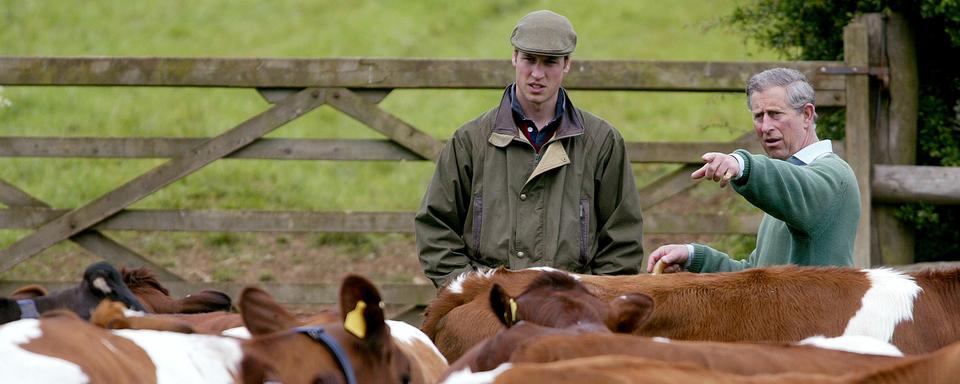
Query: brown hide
{"points": [[738, 358], [103, 357], [777, 304], [633, 370], [939, 367], [936, 314], [156, 298]]}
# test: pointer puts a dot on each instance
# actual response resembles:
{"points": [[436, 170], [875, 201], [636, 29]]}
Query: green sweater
{"points": [[811, 214]]}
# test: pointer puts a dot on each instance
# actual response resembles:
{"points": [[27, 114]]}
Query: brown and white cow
{"points": [[783, 304], [557, 298], [553, 304], [64, 349], [939, 367]]}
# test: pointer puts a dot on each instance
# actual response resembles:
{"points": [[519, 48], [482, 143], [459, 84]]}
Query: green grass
{"points": [[647, 30]]}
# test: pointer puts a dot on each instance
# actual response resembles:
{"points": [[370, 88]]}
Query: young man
{"points": [[809, 194], [535, 181]]}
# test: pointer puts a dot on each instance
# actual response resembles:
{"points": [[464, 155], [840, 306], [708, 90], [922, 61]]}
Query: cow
{"points": [[554, 303], [557, 298], [938, 367], [100, 281], [360, 347], [776, 304], [156, 298]]}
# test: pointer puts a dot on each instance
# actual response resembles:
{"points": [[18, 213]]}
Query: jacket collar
{"points": [[505, 129]]}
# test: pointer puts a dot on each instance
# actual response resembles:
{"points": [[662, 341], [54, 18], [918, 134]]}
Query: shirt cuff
{"points": [[690, 251], [739, 173]]}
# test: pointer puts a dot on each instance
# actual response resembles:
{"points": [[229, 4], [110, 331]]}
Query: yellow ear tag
{"points": [[513, 309], [354, 322]]}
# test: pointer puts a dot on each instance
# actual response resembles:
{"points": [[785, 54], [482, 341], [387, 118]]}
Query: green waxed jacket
{"points": [[494, 201], [811, 214]]}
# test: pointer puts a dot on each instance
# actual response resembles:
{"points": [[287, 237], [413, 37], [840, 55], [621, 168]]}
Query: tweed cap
{"points": [[544, 33]]}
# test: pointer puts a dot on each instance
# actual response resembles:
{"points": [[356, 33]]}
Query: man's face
{"points": [[538, 76], [782, 130]]}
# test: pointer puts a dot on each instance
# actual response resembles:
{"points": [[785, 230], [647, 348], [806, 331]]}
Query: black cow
{"points": [[100, 281]]}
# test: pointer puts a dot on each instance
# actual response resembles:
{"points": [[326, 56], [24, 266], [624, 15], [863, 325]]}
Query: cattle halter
{"points": [[320, 335], [28, 309]]}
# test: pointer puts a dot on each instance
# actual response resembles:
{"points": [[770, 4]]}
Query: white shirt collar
{"points": [[814, 151]]}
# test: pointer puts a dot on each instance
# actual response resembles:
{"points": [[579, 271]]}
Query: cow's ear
{"points": [[503, 305], [362, 311], [261, 314], [629, 312]]}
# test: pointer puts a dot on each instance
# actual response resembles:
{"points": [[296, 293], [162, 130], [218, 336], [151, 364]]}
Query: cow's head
{"points": [[556, 299], [281, 350], [102, 281]]}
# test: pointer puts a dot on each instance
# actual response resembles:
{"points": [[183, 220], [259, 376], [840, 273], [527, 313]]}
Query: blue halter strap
{"points": [[318, 334], [28, 309]]}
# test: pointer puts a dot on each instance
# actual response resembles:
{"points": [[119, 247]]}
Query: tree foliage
{"points": [[813, 30]]}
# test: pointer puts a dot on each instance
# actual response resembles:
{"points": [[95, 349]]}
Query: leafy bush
{"points": [[813, 30]]}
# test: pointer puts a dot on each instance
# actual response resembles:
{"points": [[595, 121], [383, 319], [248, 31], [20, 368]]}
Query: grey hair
{"points": [[799, 90]]}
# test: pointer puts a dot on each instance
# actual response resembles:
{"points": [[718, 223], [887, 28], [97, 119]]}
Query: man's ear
{"points": [[566, 64], [513, 59], [809, 111]]}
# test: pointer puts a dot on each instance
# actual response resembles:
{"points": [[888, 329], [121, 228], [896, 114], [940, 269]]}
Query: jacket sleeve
{"points": [[439, 221], [619, 221], [706, 259]]}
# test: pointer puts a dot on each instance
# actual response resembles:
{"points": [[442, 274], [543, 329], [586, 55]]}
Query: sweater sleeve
{"points": [[707, 259], [797, 195]]}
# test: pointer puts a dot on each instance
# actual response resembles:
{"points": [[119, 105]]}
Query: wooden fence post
{"points": [[858, 132], [894, 141]]}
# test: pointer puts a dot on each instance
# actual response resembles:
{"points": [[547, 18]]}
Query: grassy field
{"points": [[648, 30]]}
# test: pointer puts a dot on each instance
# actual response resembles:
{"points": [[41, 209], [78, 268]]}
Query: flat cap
{"points": [[544, 33]]}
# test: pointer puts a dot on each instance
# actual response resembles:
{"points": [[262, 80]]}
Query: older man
{"points": [[809, 194], [535, 181]]}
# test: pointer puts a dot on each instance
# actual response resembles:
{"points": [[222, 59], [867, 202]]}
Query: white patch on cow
{"points": [[101, 284], [888, 302], [22, 366], [659, 339], [550, 269], [466, 376], [410, 335], [132, 313], [238, 332], [865, 345], [456, 286], [188, 358]]}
